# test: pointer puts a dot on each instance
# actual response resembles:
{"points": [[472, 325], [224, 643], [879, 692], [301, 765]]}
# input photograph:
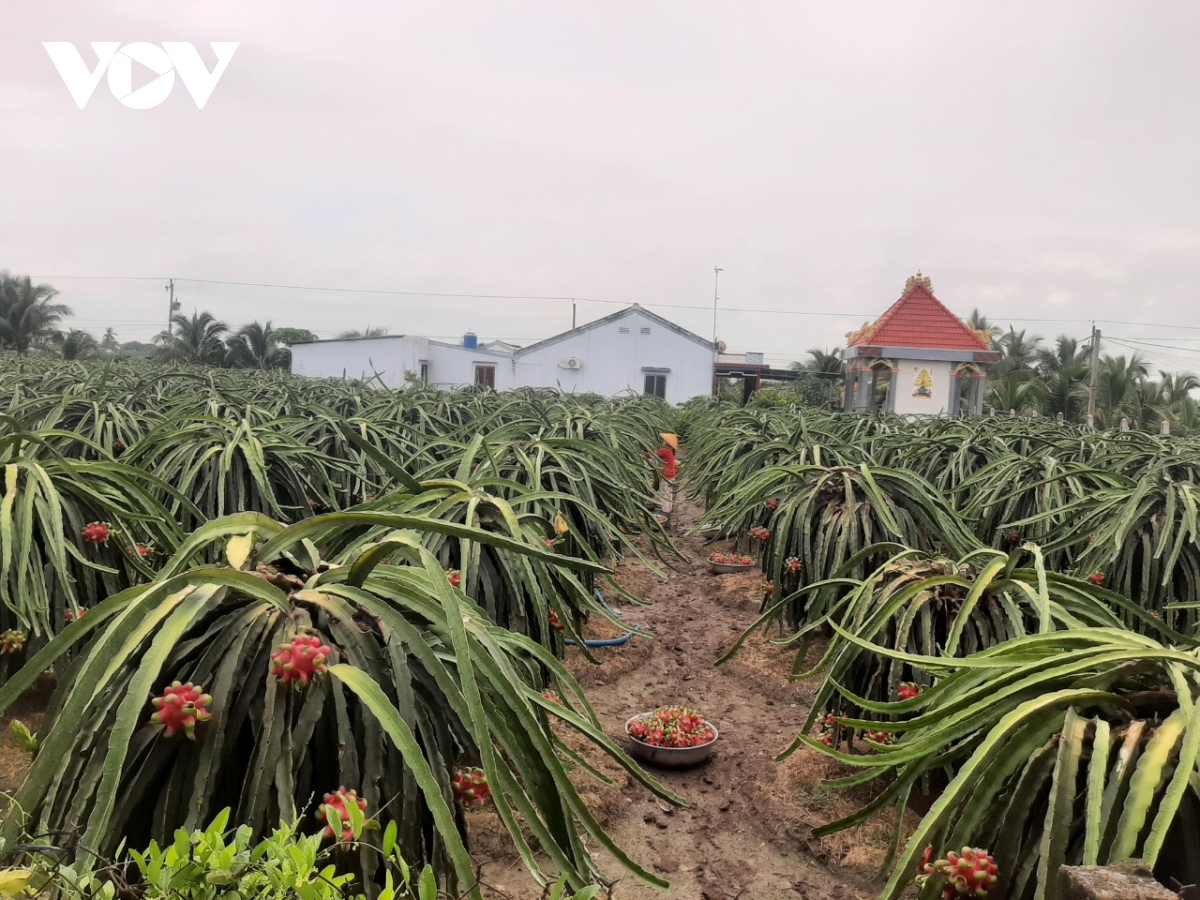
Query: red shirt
{"points": [[667, 455]]}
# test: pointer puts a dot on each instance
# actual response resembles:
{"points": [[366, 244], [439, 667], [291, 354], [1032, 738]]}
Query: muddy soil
{"points": [[747, 830]]}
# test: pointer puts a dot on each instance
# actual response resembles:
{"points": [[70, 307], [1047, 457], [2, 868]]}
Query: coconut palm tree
{"points": [[1012, 392], [825, 362], [370, 332], [977, 321], [1064, 371], [1019, 355], [257, 346], [109, 342], [1118, 390], [198, 340], [27, 313], [76, 344]]}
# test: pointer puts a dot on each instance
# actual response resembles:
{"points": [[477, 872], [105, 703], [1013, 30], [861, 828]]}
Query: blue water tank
{"points": [[470, 341]]}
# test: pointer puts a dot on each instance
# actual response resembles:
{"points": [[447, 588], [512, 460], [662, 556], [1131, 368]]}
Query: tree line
{"points": [[31, 316]]}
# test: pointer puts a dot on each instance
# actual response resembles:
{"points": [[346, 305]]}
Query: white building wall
{"points": [[390, 357], [909, 401], [452, 366], [612, 361]]}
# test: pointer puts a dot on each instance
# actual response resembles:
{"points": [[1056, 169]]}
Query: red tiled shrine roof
{"points": [[918, 319]]}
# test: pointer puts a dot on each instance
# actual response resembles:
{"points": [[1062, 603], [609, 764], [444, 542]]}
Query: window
{"points": [[485, 375], [645, 331], [656, 386], [424, 373]]}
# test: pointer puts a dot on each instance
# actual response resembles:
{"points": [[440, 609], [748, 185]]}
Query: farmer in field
{"points": [[664, 479]]}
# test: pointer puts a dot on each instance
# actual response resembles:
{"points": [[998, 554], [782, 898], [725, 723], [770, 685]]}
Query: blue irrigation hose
{"points": [[611, 642]]}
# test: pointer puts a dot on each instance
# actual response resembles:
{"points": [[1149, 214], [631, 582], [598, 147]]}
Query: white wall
{"points": [[392, 357], [937, 403], [452, 366], [612, 362]]}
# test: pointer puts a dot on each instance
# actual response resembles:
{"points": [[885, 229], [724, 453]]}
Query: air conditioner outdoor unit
{"points": [[573, 363]]}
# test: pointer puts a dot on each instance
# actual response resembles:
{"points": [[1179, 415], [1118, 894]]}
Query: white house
{"points": [[630, 350]]}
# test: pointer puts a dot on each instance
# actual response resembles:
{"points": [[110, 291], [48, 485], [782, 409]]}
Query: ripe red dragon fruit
{"points": [[971, 873], [470, 787], [760, 534], [552, 697], [142, 550], [337, 802], [1014, 536], [70, 615], [13, 641], [1096, 578], [300, 660], [97, 533], [772, 505], [908, 691], [555, 623], [768, 589], [180, 708], [454, 577], [792, 565]]}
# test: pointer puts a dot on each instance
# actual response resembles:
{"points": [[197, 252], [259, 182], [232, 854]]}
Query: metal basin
{"points": [[725, 568], [670, 757]]}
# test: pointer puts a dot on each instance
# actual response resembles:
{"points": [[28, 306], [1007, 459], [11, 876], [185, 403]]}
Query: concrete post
{"points": [[955, 389], [893, 387], [1131, 879]]}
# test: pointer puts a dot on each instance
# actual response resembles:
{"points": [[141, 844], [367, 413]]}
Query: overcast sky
{"points": [[1037, 160]]}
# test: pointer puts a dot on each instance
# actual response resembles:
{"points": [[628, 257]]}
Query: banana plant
{"points": [[283, 674], [1073, 747]]}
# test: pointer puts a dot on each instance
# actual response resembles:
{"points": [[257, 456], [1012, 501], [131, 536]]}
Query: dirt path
{"points": [[746, 832]]}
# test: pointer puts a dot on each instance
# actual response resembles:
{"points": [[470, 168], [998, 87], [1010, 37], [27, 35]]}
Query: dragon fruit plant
{"points": [[71, 516], [329, 653]]}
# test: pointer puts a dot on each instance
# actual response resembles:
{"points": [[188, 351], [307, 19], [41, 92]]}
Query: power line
{"points": [[1157, 355], [1164, 346], [471, 296]]}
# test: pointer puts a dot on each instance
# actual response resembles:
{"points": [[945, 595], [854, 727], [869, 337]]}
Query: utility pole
{"points": [[1095, 377], [172, 303], [717, 270], [572, 313]]}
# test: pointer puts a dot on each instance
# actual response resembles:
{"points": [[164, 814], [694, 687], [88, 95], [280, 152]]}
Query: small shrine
{"points": [[918, 358]]}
